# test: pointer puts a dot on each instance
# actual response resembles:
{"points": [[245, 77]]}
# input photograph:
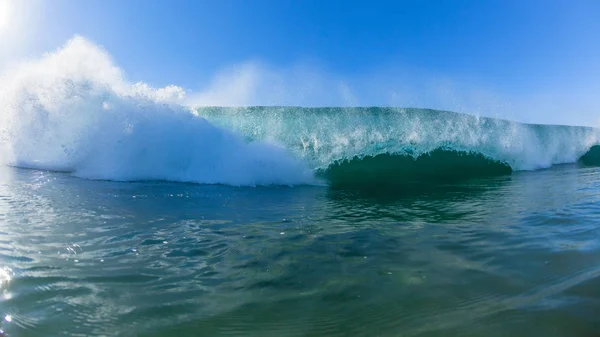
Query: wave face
{"points": [[73, 111], [592, 157], [435, 167], [370, 145]]}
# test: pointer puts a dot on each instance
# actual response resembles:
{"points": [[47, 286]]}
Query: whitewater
{"points": [[73, 110]]}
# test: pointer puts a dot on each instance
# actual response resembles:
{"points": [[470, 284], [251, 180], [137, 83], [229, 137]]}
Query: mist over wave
{"points": [[72, 110]]}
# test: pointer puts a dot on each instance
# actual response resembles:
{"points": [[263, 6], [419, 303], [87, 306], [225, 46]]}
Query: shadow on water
{"points": [[467, 188]]}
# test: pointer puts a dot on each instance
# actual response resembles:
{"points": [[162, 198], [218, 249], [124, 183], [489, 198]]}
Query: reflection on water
{"points": [[511, 255]]}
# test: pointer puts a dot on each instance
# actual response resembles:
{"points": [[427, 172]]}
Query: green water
{"points": [[511, 255]]}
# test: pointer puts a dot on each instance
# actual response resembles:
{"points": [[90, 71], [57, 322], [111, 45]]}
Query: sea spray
{"points": [[73, 111]]}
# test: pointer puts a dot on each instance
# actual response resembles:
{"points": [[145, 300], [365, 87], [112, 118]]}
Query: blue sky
{"points": [[530, 60]]}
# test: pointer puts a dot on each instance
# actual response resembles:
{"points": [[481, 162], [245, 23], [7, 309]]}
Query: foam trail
{"points": [[72, 110]]}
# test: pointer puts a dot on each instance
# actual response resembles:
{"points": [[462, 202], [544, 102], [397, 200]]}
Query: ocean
{"points": [[126, 210], [145, 218]]}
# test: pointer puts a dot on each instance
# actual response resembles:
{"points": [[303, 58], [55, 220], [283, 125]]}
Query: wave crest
{"points": [[325, 136]]}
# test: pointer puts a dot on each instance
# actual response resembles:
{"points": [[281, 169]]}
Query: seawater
{"points": [[511, 255]]}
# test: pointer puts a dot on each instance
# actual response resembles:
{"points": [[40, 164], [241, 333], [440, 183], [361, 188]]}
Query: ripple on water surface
{"points": [[511, 255]]}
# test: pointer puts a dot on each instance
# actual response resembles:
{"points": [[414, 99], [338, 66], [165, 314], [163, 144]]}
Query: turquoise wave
{"points": [[376, 144]]}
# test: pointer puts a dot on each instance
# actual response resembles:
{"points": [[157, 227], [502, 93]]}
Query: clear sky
{"points": [[535, 61]]}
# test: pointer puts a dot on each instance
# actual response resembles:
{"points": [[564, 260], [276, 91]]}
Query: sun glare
{"points": [[4, 14]]}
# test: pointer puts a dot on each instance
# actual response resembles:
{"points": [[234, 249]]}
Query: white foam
{"points": [[72, 110]]}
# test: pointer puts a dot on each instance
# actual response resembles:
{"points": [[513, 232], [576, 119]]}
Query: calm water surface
{"points": [[517, 255]]}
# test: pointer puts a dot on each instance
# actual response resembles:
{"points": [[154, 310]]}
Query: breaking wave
{"points": [[74, 111]]}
